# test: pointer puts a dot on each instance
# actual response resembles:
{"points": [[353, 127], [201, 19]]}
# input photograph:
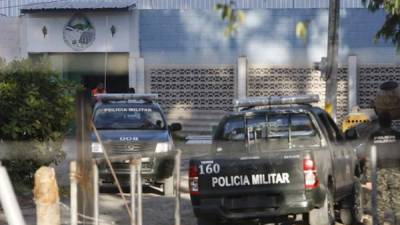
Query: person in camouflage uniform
{"points": [[387, 142]]}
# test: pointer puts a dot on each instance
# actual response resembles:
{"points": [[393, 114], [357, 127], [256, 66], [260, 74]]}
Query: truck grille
{"points": [[129, 147]]}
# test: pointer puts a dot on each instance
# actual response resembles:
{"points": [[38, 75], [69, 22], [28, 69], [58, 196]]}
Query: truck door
{"points": [[338, 154], [346, 157]]}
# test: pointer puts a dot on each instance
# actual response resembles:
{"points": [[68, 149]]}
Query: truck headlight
{"points": [[97, 147], [162, 147]]}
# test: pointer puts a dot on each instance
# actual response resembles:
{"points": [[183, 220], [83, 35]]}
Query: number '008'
{"points": [[210, 169]]}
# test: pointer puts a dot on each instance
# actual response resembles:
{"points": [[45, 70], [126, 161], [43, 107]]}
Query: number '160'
{"points": [[210, 169]]}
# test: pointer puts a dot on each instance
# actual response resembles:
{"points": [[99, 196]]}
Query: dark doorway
{"points": [[113, 84], [88, 69]]}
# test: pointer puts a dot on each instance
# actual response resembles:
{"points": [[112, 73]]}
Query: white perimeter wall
{"points": [[10, 37], [55, 22]]}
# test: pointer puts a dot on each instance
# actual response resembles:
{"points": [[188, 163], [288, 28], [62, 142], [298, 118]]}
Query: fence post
{"points": [[74, 193], [46, 196], [177, 175], [84, 157], [139, 184], [133, 167], [374, 176], [241, 77], [96, 192], [9, 200]]}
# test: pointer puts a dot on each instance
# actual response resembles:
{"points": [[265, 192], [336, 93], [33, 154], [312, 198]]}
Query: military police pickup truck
{"points": [[134, 124], [276, 159]]}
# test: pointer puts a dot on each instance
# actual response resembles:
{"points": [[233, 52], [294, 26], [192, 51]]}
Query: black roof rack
{"points": [[251, 102], [149, 98]]}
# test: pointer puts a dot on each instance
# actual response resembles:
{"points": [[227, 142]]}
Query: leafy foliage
{"points": [[302, 30], [390, 29], [36, 108], [232, 16]]}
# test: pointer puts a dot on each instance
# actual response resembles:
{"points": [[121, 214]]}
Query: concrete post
{"points": [[352, 74], [46, 197], [139, 192], [96, 193], [133, 175], [73, 192], [23, 34], [132, 71], [374, 174], [140, 80], [178, 187], [136, 76], [241, 80]]}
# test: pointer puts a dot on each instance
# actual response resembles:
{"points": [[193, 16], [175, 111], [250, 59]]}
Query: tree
{"points": [[36, 110], [233, 17], [390, 29]]}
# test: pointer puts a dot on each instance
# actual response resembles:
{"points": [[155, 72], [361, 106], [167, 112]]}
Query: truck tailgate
{"points": [[268, 174]]}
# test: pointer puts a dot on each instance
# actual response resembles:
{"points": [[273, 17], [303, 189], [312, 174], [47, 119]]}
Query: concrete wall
{"points": [[10, 37], [196, 36], [55, 22], [267, 37]]}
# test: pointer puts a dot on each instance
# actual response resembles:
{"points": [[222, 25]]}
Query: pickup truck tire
{"points": [[352, 211], [324, 215], [168, 187]]}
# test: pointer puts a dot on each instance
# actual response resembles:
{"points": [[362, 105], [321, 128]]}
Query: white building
{"points": [[177, 48]]}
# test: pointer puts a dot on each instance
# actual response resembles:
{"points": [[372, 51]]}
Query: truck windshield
{"points": [[128, 118], [264, 132]]}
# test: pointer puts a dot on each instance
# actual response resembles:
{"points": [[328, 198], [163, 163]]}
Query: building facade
{"points": [[178, 49]]}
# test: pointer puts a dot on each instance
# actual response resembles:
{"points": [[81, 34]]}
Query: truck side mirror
{"points": [[351, 134], [175, 127]]}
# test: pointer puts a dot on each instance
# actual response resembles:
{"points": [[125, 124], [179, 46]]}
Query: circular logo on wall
{"points": [[79, 33]]}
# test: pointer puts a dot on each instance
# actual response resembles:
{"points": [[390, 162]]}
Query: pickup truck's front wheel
{"points": [[324, 215]]}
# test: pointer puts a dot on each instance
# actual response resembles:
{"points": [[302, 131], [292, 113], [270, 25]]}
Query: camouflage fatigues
{"points": [[389, 195], [387, 142]]}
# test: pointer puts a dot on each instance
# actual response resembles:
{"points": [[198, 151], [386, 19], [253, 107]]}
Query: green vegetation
{"points": [[233, 17], [36, 108], [390, 29]]}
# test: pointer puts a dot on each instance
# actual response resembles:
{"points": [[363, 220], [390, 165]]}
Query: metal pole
{"points": [[133, 190], [9, 200], [139, 183], [106, 58], [178, 187], [74, 193], [96, 193], [332, 59], [374, 200]]}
